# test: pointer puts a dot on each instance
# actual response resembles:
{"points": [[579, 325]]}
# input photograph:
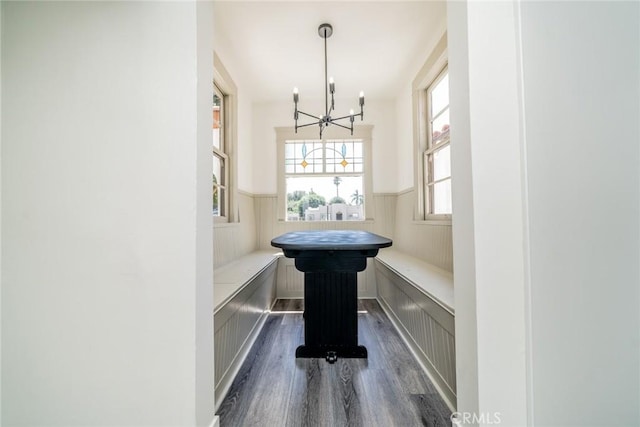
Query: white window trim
{"points": [[432, 148], [221, 153], [223, 80], [430, 71], [361, 132]]}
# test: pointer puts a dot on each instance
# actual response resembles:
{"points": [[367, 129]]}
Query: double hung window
{"points": [[437, 156], [220, 201], [324, 179]]}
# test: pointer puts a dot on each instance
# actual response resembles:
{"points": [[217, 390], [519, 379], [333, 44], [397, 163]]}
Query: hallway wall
{"points": [[106, 213], [581, 89], [546, 193]]}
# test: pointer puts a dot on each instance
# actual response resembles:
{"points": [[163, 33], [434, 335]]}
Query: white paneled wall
{"points": [[235, 239], [237, 323], [426, 325], [429, 241]]}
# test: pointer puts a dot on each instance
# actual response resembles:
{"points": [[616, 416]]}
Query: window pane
{"points": [[216, 200], [217, 120], [440, 127], [442, 197], [440, 95], [344, 156], [325, 198], [218, 205], [428, 168], [303, 157], [442, 163], [218, 170]]}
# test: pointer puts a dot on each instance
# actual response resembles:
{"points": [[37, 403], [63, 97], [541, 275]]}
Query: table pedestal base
{"points": [[331, 316], [331, 353]]}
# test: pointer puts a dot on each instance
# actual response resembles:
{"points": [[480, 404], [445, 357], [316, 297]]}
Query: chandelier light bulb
{"points": [[351, 112], [295, 94]]}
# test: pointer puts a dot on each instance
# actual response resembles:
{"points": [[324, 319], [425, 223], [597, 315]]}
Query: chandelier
{"points": [[323, 121]]}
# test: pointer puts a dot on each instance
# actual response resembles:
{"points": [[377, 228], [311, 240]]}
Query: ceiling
{"points": [[374, 46]]}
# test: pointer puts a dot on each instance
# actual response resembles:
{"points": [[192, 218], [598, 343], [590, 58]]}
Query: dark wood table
{"points": [[330, 260]]}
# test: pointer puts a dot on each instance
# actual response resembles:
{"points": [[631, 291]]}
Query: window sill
{"points": [[360, 221], [434, 220], [222, 222]]}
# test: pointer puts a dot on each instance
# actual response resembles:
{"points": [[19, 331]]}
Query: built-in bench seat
{"points": [[230, 278], [433, 281], [419, 299], [243, 293]]}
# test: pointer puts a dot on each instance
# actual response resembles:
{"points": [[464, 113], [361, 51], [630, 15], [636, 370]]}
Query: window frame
{"points": [[360, 132], [326, 161], [431, 149], [226, 86], [436, 62], [221, 154]]}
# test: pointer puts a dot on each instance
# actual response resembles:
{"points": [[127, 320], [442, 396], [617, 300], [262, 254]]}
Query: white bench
{"points": [[419, 299], [243, 293]]}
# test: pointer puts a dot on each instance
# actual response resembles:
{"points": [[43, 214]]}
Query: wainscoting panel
{"points": [[425, 325], [431, 242], [235, 239], [236, 325]]}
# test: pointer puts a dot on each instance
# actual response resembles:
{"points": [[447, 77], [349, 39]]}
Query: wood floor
{"points": [[273, 388]]}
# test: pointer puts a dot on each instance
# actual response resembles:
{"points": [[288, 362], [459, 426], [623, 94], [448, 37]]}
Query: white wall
{"points": [[267, 116], [546, 197], [204, 370], [404, 139], [487, 212], [244, 155], [0, 214], [582, 94], [104, 204], [404, 106]]}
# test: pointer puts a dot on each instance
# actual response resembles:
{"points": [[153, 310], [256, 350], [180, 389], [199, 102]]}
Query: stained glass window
{"points": [[324, 180], [303, 157], [317, 157]]}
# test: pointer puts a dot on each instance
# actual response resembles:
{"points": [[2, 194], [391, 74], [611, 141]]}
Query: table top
{"points": [[330, 240]]}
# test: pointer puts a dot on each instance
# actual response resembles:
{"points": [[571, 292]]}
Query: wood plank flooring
{"points": [[273, 388]]}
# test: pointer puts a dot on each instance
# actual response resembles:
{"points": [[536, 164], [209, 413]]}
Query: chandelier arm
{"points": [[309, 115], [308, 124], [342, 126], [345, 117]]}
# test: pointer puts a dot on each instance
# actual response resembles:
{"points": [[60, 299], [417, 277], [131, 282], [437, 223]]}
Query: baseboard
{"points": [[424, 363]]}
